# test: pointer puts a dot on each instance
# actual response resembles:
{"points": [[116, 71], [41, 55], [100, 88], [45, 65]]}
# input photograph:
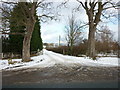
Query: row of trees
{"points": [[94, 10], [14, 42], [74, 35], [102, 49], [104, 42]]}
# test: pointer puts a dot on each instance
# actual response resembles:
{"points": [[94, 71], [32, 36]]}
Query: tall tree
{"points": [[28, 12], [36, 41], [16, 41], [94, 10], [73, 33]]}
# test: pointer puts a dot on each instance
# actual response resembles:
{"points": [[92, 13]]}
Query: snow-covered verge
{"points": [[5, 65], [50, 58], [102, 61]]}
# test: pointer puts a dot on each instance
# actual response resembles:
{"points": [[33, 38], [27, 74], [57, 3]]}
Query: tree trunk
{"points": [[71, 49], [91, 42], [26, 42]]}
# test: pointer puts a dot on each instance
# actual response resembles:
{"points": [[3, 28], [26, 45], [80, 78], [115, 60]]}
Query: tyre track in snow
{"points": [[53, 58], [50, 62], [64, 60], [60, 59]]}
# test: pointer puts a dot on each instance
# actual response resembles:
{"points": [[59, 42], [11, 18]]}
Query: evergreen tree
{"points": [[36, 41], [16, 26], [16, 41]]}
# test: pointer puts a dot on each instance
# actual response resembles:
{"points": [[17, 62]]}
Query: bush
{"points": [[77, 50]]}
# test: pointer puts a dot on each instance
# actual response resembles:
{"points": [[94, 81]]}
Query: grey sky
{"points": [[50, 31]]}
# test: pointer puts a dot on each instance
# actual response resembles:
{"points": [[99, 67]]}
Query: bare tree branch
{"points": [[44, 15], [81, 4], [9, 2], [39, 3], [13, 33]]}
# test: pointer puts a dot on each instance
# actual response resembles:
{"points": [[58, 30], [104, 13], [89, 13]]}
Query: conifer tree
{"points": [[16, 41], [36, 41]]}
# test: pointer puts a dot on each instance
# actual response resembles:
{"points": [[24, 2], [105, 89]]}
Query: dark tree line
{"points": [[29, 19], [14, 43], [102, 48]]}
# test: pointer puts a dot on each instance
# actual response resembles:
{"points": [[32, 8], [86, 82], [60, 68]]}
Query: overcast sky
{"points": [[51, 30]]}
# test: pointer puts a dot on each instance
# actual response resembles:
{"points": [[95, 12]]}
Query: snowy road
{"points": [[49, 59], [56, 70], [84, 61]]}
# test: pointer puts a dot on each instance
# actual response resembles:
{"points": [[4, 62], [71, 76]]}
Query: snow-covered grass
{"points": [[50, 58], [102, 61], [107, 55], [5, 65]]}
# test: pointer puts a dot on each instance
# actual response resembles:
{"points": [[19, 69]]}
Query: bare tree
{"points": [[94, 10], [106, 34], [73, 32], [29, 9], [105, 37]]}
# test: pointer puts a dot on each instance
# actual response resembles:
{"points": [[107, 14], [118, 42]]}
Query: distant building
{"points": [[53, 45], [50, 45]]}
